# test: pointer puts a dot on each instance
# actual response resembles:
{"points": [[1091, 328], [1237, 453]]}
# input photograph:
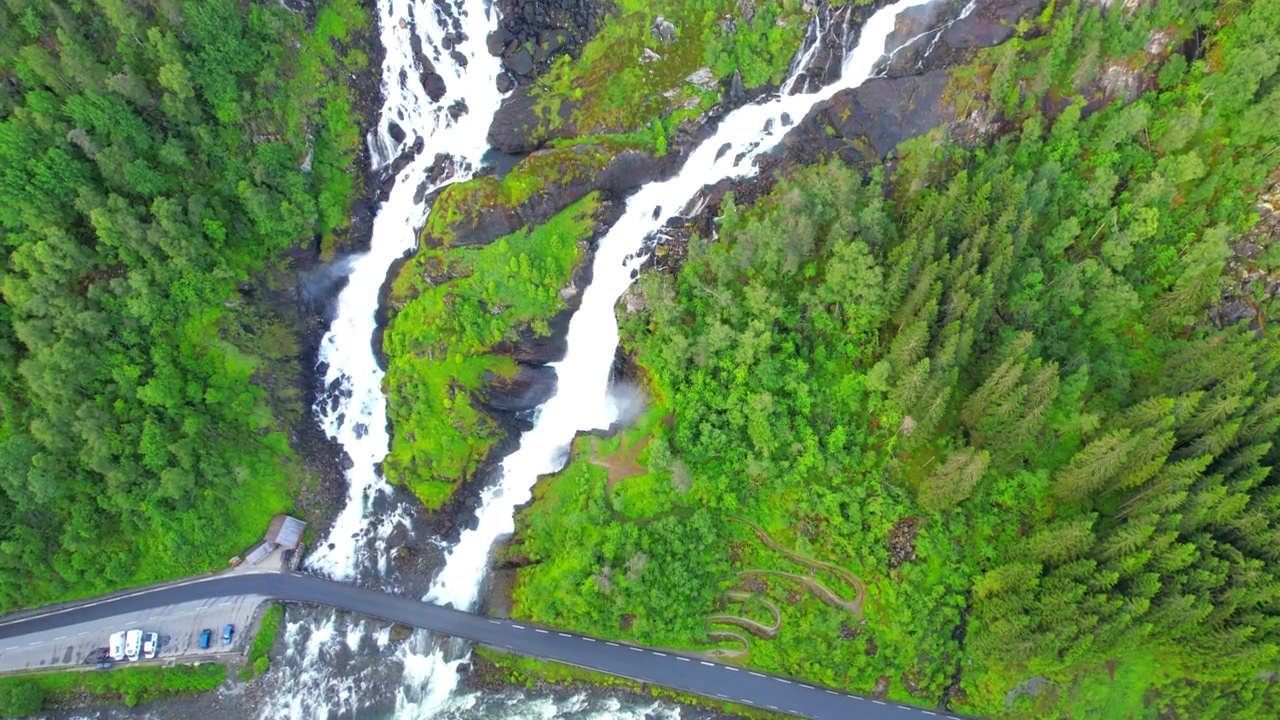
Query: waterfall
{"points": [[582, 400], [354, 413]]}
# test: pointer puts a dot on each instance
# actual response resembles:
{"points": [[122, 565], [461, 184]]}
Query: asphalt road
{"points": [[637, 663]]}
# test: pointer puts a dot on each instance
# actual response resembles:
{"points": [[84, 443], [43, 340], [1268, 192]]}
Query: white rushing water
{"points": [[359, 420], [582, 400], [355, 412]]}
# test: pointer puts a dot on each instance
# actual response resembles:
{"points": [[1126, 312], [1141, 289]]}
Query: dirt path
{"points": [[755, 627], [830, 597]]}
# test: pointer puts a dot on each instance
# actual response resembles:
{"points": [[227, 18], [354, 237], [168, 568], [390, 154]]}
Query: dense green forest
{"points": [[960, 429], [154, 156]]}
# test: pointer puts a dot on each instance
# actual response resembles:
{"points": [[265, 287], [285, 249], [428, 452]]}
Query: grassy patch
{"points": [[260, 651], [611, 90], [460, 204], [452, 307], [129, 685]]}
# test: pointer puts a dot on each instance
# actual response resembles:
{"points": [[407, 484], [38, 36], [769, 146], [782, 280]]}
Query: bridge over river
{"points": [[669, 669]]}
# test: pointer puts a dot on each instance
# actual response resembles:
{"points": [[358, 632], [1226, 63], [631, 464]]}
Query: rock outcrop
{"points": [[864, 124], [532, 33], [480, 212]]}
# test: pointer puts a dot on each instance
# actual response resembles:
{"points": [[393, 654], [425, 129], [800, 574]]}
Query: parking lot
{"points": [[178, 626]]}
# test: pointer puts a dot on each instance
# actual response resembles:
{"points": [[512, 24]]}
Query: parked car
{"points": [[227, 633], [205, 636], [150, 644], [132, 644], [116, 649]]}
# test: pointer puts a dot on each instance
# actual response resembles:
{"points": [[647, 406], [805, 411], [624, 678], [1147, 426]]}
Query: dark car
{"points": [[205, 636], [227, 632], [106, 665]]}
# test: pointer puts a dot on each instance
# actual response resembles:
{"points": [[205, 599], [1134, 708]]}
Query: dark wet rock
{"points": [[990, 23], [518, 128], [457, 109], [531, 386], [505, 83], [433, 83], [395, 131], [403, 161], [865, 123], [544, 29], [519, 62], [549, 43]]}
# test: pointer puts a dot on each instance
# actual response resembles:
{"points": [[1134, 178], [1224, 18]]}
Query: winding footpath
{"points": [[646, 665]]}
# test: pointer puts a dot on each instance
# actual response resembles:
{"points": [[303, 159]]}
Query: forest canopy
{"points": [[992, 383], [154, 156]]}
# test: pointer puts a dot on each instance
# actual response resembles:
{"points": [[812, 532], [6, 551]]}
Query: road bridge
{"points": [[648, 665]]}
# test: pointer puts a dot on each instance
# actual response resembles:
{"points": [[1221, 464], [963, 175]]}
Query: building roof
{"points": [[259, 553], [285, 531]]}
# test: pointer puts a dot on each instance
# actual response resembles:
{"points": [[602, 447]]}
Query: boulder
{"points": [[663, 30], [519, 62]]}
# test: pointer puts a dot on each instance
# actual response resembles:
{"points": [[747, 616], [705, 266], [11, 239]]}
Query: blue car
{"points": [[227, 633], [205, 636]]}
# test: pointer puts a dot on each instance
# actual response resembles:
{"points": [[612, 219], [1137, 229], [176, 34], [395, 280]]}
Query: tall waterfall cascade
{"points": [[354, 411]]}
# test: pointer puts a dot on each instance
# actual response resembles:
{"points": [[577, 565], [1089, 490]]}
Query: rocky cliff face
{"points": [[864, 124]]}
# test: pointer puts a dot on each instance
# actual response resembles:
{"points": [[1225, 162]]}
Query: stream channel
{"points": [[343, 666]]}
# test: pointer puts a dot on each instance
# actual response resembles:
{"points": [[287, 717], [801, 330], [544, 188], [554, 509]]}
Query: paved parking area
{"points": [[178, 625]]}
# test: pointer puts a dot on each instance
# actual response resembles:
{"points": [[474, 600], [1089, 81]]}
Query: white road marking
{"points": [[589, 639], [37, 642], [518, 627], [704, 662], [726, 697], [757, 674], [832, 692], [637, 649], [495, 622], [682, 659], [926, 712], [15, 647], [564, 634], [60, 637], [86, 632], [783, 681], [806, 687], [878, 702], [540, 630], [611, 644], [655, 652], [726, 667], [904, 707], [773, 707]]}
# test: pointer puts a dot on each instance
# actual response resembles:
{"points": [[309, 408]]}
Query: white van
{"points": [[132, 644], [116, 646], [150, 644]]}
